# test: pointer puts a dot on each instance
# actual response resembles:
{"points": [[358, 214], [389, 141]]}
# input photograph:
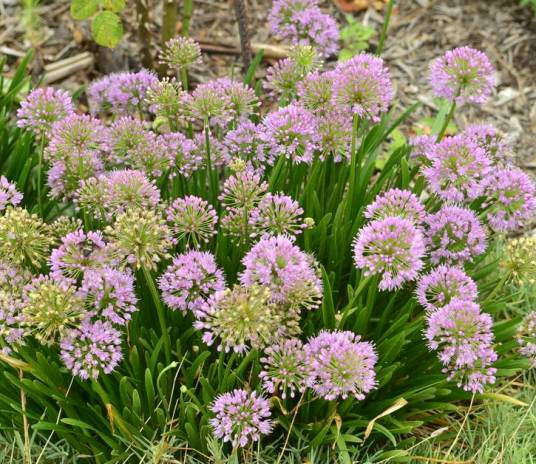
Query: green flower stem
{"points": [[39, 174], [353, 164], [160, 311], [386, 21], [211, 173], [184, 79], [449, 116]]}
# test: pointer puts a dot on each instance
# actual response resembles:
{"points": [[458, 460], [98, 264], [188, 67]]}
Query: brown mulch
{"points": [[420, 31]]}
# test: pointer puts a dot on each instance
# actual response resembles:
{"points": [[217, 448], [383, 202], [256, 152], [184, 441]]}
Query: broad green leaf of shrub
{"points": [[107, 29], [114, 5], [84, 9]]}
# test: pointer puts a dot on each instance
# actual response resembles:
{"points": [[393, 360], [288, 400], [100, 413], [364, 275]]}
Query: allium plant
{"points": [[351, 264], [526, 337]]}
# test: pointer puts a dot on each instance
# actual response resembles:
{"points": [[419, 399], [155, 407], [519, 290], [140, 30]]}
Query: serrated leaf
{"points": [[114, 5], [83, 9], [107, 29]]}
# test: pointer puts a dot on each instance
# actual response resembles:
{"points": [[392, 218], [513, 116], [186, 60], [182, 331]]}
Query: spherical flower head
{"points": [[291, 275], [463, 75], [291, 132], [396, 202], [166, 100], [244, 189], [78, 253], [210, 104], [241, 417], [190, 280], [362, 87], [454, 235], [218, 155], [282, 11], [65, 176], [42, 108], [422, 147], [140, 237], [339, 365], [487, 137], [50, 307], [13, 278], [193, 220], [135, 147], [526, 337], [184, 158], [457, 166], [109, 294], [97, 94], [392, 248], [509, 199], [335, 132], [74, 135], [24, 238], [244, 317], [180, 53], [519, 260], [443, 285], [315, 92], [284, 368], [64, 225], [244, 142], [463, 338], [91, 348], [9, 195], [282, 79], [12, 331], [242, 99], [277, 214]]}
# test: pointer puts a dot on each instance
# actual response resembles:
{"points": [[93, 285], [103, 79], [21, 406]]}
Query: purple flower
{"points": [[396, 202], [241, 417], [339, 364], [12, 330], [284, 368], [190, 280], [193, 220], [464, 75], [289, 273], [242, 99], [421, 148], [282, 78], [392, 248], [182, 152], [492, 141], [180, 53], [90, 348], [277, 215], [316, 92], [110, 294], [362, 86], [210, 104], [526, 337], [9, 195], [444, 284], [335, 132], [42, 108], [245, 143], [78, 253], [218, 155], [463, 338], [291, 132], [454, 235], [509, 199], [457, 166]]}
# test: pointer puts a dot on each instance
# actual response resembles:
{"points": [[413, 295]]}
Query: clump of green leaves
{"points": [[355, 37], [106, 25]]}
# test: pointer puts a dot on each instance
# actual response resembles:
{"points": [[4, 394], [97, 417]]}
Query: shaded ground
{"points": [[421, 30]]}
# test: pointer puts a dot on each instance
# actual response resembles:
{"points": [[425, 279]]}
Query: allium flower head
{"points": [[464, 75], [335, 132], [339, 364], [291, 275], [243, 189], [520, 260], [492, 141], [362, 86], [277, 214], [42, 108], [190, 280], [91, 348], [291, 132], [396, 202], [242, 99], [392, 248], [184, 158], [454, 235], [64, 225], [457, 166], [193, 220], [444, 284], [109, 293], [12, 331], [9, 195], [244, 142], [74, 135], [463, 338], [282, 78], [316, 92], [241, 417], [244, 317], [166, 100], [209, 104], [24, 238], [509, 199], [113, 192], [13, 277], [422, 147], [78, 253], [526, 337], [218, 154], [140, 237], [180, 53], [50, 307], [284, 368]]}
